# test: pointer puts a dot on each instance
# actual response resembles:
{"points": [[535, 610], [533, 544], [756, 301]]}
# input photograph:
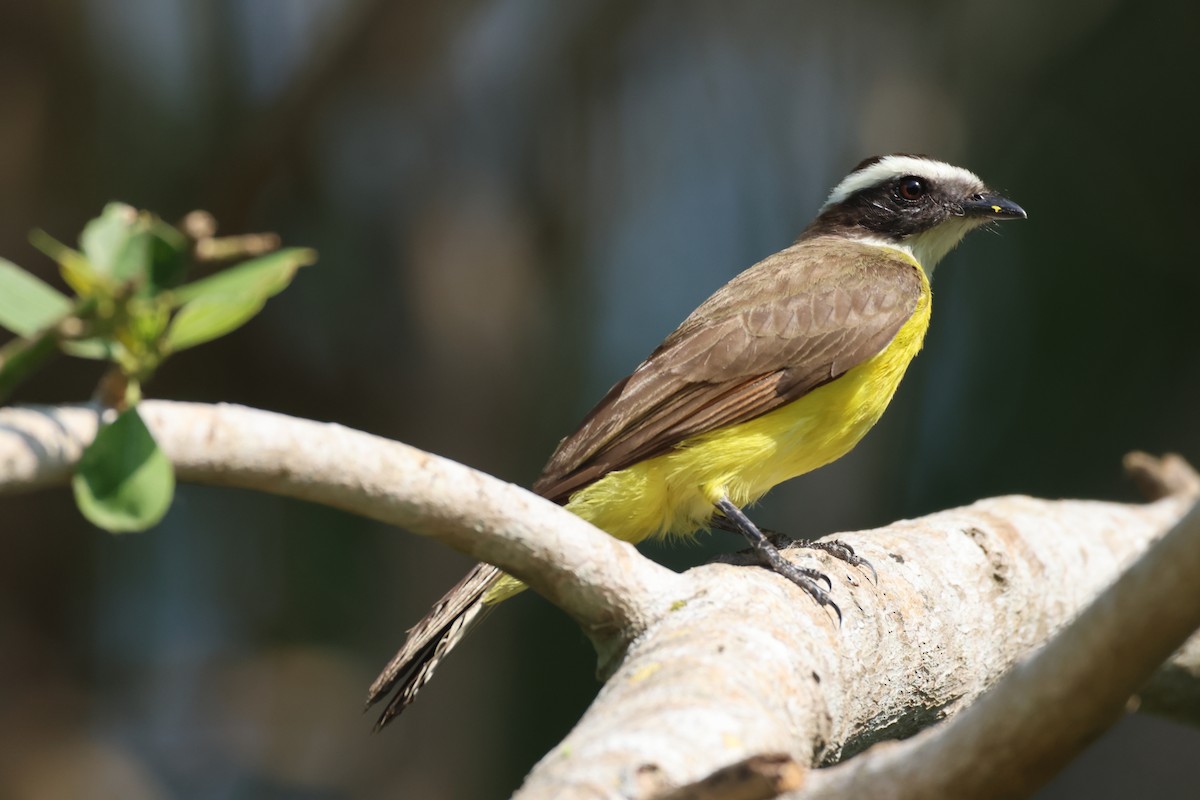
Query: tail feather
{"points": [[428, 642]]}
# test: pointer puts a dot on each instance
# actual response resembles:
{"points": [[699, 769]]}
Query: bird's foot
{"points": [[781, 541], [842, 552], [769, 556]]}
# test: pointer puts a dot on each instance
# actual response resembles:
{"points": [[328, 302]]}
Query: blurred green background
{"points": [[513, 201]]}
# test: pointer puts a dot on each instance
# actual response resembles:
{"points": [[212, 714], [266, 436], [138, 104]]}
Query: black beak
{"points": [[992, 206]]}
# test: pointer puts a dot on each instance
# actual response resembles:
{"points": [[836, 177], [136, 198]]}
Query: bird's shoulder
{"points": [[787, 309]]}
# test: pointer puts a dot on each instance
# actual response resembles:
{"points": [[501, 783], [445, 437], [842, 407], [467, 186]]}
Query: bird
{"points": [[781, 371]]}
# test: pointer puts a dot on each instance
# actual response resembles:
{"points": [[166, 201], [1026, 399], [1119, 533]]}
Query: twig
{"points": [[228, 248], [21, 357], [1161, 477]]}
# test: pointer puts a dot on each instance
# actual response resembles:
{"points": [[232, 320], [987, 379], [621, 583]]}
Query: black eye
{"points": [[911, 188]]}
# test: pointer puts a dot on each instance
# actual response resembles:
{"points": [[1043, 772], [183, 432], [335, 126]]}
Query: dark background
{"points": [[513, 201]]}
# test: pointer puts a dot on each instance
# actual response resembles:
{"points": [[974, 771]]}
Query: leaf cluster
{"points": [[132, 307]]}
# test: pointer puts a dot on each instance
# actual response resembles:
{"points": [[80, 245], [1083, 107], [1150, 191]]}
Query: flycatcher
{"points": [[781, 371]]}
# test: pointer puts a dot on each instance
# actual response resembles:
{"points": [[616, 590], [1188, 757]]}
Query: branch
{"points": [[1043, 713], [723, 664], [605, 585], [746, 665]]}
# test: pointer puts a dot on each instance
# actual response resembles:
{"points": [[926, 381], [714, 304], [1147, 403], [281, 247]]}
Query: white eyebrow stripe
{"points": [[890, 167]]}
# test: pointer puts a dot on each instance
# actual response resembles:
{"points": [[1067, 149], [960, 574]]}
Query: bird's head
{"points": [[915, 203]]}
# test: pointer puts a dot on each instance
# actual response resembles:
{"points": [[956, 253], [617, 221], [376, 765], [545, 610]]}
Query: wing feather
{"points": [[787, 325]]}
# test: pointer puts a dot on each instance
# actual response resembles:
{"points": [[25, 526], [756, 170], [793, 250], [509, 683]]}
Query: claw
{"points": [[799, 577], [823, 599], [843, 552], [836, 610], [870, 566], [828, 582], [807, 572]]}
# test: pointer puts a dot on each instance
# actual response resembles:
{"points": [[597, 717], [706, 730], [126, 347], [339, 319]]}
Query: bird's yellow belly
{"points": [[674, 493]]}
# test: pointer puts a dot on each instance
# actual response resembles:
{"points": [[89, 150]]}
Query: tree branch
{"points": [[605, 585], [723, 664], [1044, 712], [746, 665]]}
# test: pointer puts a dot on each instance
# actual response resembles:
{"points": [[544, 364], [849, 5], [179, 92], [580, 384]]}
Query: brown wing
{"points": [[787, 325]]}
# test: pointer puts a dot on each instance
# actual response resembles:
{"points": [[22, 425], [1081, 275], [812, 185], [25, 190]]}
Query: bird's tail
{"points": [[450, 619]]}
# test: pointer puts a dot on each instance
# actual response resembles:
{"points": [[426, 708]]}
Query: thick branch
{"points": [[605, 585], [1042, 714], [747, 665]]}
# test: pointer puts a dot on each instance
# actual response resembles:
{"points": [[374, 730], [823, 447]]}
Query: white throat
{"points": [[928, 247]]}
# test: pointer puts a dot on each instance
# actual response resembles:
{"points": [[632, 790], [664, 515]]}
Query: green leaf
{"points": [[135, 257], [105, 237], [133, 246], [94, 348], [262, 277], [221, 303], [168, 255], [124, 482], [210, 317], [27, 305]]}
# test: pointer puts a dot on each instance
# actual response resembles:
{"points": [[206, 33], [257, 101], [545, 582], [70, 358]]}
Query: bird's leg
{"points": [[836, 548], [771, 558], [767, 548]]}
